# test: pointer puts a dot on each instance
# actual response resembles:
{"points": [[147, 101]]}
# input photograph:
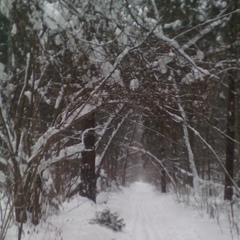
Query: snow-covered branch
{"points": [[68, 153]]}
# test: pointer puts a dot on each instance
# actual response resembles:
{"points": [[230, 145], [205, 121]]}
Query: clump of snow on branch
{"points": [[2, 74], [5, 7], [195, 74], [52, 16], [28, 94], [134, 84], [173, 25], [108, 69]]}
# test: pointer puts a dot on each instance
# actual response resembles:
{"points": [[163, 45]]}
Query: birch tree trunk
{"points": [[187, 139]]}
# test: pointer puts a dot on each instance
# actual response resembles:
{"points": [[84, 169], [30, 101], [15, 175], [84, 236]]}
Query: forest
{"points": [[102, 93]]}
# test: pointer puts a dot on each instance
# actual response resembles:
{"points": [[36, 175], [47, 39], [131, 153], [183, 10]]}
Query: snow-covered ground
{"points": [[148, 215]]}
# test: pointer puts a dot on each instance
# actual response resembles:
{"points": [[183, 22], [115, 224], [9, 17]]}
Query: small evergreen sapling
{"points": [[110, 220]]}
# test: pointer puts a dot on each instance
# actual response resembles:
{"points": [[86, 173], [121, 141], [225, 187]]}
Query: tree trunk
{"points": [[164, 181], [19, 203], [237, 124], [125, 164], [88, 177], [124, 171], [19, 195], [229, 164], [233, 36], [36, 211]]}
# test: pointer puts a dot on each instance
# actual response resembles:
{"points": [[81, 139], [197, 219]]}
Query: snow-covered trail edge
{"points": [[148, 215]]}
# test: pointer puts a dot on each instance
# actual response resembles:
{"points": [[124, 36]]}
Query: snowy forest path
{"points": [[150, 215]]}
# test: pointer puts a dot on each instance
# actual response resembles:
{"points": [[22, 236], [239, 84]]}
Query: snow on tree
{"points": [[158, 65]]}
